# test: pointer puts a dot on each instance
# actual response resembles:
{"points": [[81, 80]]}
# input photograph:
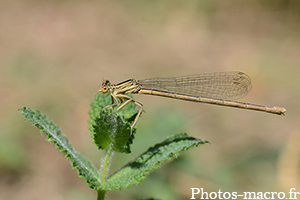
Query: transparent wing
{"points": [[219, 85]]}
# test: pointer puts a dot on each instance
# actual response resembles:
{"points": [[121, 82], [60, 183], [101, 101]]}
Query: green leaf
{"points": [[136, 170], [110, 130], [83, 165], [101, 100], [112, 133]]}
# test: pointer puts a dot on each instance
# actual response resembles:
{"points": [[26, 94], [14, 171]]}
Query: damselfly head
{"points": [[105, 86]]}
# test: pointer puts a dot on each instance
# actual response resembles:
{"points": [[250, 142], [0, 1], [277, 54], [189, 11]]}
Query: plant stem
{"points": [[101, 194], [105, 165], [104, 172]]}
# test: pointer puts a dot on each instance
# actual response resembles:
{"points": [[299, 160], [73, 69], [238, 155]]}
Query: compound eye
{"points": [[105, 86], [103, 89]]}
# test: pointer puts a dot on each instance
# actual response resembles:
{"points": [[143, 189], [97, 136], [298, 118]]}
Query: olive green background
{"points": [[55, 54]]}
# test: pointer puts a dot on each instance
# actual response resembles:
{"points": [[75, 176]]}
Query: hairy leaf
{"points": [[110, 130], [112, 133], [136, 170], [83, 165], [101, 100]]}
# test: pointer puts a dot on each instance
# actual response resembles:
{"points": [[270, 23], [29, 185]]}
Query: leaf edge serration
{"points": [[110, 185], [82, 164]]}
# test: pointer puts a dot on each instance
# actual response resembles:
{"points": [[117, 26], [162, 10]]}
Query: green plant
{"points": [[110, 131]]}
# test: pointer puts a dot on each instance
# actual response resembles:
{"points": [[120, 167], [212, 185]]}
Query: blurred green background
{"points": [[55, 54]]}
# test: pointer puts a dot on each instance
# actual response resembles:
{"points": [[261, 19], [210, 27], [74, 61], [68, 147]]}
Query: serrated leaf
{"points": [[101, 100], [110, 129], [112, 133], [83, 165], [136, 170]]}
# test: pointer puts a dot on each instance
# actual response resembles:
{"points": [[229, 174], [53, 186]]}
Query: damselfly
{"points": [[219, 88]]}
